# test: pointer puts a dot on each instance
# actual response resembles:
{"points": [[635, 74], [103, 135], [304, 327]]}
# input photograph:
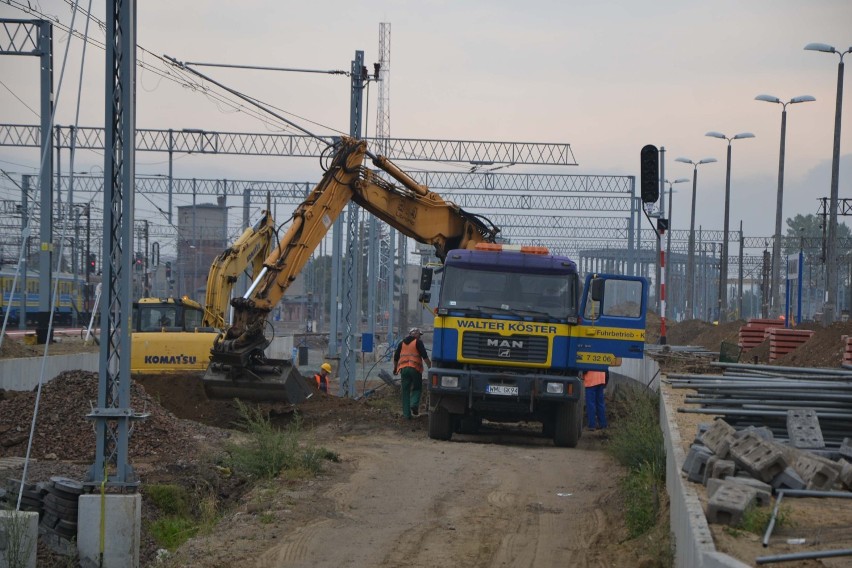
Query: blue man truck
{"points": [[514, 328]]}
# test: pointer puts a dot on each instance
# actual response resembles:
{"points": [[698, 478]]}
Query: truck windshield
{"points": [[525, 295]]}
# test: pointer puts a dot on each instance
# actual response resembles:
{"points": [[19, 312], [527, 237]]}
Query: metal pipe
{"points": [[773, 368], [778, 413], [771, 524], [817, 493], [803, 556]]}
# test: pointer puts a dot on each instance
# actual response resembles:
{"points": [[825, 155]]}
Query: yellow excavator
{"points": [[174, 335], [238, 367]]}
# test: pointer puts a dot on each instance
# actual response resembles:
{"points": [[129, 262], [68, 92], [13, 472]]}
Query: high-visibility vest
{"points": [[410, 357], [594, 378], [322, 382]]}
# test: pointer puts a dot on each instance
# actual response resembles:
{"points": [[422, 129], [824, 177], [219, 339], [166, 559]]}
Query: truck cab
{"points": [[514, 328]]}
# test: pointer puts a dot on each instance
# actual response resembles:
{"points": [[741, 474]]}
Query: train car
{"points": [[70, 296]]}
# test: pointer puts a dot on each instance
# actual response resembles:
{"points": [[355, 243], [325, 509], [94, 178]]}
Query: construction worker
{"points": [[322, 377], [408, 361], [595, 382]]}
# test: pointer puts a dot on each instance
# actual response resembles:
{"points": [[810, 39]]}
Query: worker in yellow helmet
{"points": [[322, 377]]}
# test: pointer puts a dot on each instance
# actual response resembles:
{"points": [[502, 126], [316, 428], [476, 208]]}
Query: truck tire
{"points": [[569, 425], [440, 424]]}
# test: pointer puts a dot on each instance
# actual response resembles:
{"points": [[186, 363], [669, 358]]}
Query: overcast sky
{"points": [[606, 77]]}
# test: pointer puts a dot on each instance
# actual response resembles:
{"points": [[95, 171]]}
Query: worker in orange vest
{"points": [[322, 377], [408, 361], [594, 383]]}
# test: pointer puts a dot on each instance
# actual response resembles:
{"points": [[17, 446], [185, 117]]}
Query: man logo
{"points": [[514, 344], [504, 353]]}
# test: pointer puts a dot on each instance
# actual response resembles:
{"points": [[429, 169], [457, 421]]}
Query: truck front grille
{"points": [[498, 348]]}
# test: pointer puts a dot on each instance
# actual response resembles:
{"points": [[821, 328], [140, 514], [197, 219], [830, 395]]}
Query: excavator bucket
{"points": [[277, 380]]}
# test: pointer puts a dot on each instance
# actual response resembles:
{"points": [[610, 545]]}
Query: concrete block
{"points": [[846, 449], [763, 460], [803, 428], [708, 466], [787, 479], [817, 474], [123, 522], [700, 431], [722, 469], [762, 431], [846, 473], [18, 538], [694, 450], [718, 437], [763, 491], [729, 503], [698, 466]]}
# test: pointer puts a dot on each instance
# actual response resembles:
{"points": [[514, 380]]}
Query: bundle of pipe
{"points": [[760, 395]]}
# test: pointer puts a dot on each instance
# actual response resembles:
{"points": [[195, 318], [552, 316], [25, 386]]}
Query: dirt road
{"points": [[400, 499]]}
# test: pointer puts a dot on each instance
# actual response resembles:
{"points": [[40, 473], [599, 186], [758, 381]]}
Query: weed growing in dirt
{"points": [[271, 451], [171, 532], [185, 514], [636, 436], [637, 443], [16, 540], [172, 500], [756, 519]]}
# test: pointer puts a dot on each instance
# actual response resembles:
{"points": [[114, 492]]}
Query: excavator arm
{"points": [[250, 249], [411, 208]]}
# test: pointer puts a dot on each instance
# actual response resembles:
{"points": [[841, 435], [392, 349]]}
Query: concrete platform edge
{"points": [[694, 547]]}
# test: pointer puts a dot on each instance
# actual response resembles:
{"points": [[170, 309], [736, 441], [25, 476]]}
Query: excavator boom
{"points": [[238, 366]]}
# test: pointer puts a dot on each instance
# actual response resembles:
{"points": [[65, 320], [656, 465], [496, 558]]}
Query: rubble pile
{"points": [[63, 432]]}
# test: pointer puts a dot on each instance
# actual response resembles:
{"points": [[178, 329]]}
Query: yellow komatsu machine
{"points": [[174, 335], [238, 366]]}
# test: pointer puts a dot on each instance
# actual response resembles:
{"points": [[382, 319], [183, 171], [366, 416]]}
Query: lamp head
{"points": [[707, 161], [824, 47], [768, 99], [681, 180], [802, 99], [743, 135], [684, 160], [716, 135]]}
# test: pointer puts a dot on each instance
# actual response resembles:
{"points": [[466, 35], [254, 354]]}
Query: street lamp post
{"points": [[831, 246], [690, 260], [776, 246], [671, 211], [723, 261]]}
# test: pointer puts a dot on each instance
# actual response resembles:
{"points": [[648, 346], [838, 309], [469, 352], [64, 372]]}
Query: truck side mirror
{"points": [[598, 289], [426, 278]]}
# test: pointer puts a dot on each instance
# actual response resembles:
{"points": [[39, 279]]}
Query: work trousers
{"points": [[412, 386], [596, 406]]}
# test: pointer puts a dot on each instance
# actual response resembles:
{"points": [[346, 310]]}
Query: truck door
{"points": [[612, 321]]}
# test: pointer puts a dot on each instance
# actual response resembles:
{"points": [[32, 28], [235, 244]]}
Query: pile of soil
{"points": [[64, 433], [824, 348]]}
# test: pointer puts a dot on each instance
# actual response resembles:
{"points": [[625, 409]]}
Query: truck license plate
{"points": [[502, 390]]}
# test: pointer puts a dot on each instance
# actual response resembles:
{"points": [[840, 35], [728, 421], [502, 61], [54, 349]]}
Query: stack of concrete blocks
{"points": [[783, 341], [742, 468], [754, 332], [847, 349]]}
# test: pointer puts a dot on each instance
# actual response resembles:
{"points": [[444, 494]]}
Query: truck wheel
{"points": [[569, 424], [440, 424]]}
